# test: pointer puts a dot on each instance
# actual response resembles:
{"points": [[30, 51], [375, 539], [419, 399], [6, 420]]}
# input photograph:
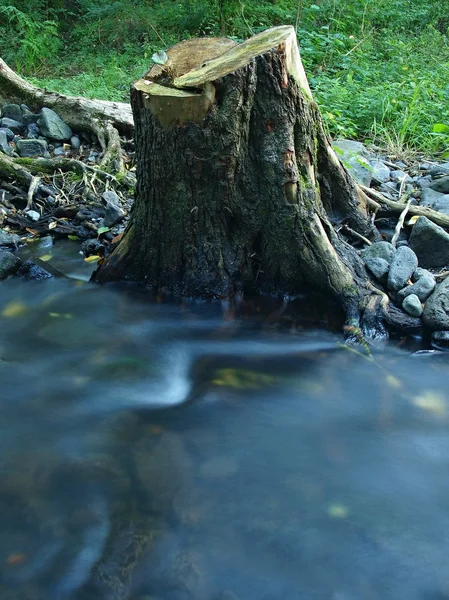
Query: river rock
{"points": [[402, 267], [430, 196], [29, 148], [9, 264], [436, 309], [400, 176], [441, 185], [379, 267], [32, 272], [412, 305], [33, 215], [75, 142], [9, 239], [430, 243], [380, 172], [422, 287], [30, 117], [12, 124], [354, 157], [52, 126], [12, 111], [438, 170], [440, 340], [383, 250], [113, 214], [9, 134], [4, 144], [32, 131]]}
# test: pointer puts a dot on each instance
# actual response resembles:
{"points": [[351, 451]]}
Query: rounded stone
{"points": [[412, 305], [383, 250], [402, 267]]}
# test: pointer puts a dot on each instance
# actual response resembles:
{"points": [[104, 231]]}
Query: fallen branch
{"points": [[400, 223], [398, 207]]}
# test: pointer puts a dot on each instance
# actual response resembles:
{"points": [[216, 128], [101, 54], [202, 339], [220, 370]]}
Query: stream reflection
{"points": [[152, 451]]}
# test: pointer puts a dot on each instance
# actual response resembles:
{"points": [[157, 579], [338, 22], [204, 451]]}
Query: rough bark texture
{"points": [[243, 201]]}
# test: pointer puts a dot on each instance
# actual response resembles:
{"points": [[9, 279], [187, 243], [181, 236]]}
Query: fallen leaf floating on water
{"points": [[431, 401], [92, 258], [13, 309], [242, 379], [337, 511], [15, 559], [393, 382], [45, 257]]}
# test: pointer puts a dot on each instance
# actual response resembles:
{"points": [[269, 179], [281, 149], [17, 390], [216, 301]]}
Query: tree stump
{"points": [[238, 188]]}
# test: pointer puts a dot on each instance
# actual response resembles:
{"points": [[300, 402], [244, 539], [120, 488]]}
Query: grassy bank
{"points": [[379, 69]]}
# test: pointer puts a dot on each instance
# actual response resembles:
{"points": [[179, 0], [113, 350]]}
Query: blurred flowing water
{"points": [[183, 452]]}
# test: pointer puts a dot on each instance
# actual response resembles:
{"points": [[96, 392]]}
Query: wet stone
{"points": [[383, 250], [379, 267], [436, 315], [402, 267], [32, 132], [29, 271], [412, 305], [422, 287], [440, 340], [9, 239], [9, 263]]}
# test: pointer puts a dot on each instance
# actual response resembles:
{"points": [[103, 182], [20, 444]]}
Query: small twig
{"points": [[33, 186], [400, 223], [357, 235]]}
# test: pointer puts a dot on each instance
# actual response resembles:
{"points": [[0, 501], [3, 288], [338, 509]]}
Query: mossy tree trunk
{"points": [[238, 187]]}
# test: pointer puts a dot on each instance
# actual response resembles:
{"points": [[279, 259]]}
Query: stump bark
{"points": [[238, 187]]}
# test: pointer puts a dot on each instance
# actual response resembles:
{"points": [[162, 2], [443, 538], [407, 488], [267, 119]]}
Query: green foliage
{"points": [[378, 69], [30, 41]]}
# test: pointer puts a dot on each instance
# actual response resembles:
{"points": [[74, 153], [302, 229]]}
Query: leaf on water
{"points": [[45, 257], [431, 401], [242, 379], [73, 237], [13, 309], [92, 258], [393, 382], [54, 315], [103, 230], [337, 511], [15, 559], [117, 238]]}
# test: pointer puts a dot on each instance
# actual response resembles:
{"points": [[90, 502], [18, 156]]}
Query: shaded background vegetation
{"points": [[379, 69]]}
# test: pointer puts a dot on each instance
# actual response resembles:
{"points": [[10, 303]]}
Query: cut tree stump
{"points": [[238, 188]]}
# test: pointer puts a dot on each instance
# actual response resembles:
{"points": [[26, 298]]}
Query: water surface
{"points": [[184, 452]]}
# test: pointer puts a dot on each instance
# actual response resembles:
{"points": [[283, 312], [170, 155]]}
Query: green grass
{"points": [[379, 70]]}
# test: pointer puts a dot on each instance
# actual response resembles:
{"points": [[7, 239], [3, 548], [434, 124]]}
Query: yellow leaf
{"points": [[14, 309], [413, 220], [52, 225], [337, 511], [45, 257], [431, 401], [92, 258], [393, 382], [54, 315]]}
